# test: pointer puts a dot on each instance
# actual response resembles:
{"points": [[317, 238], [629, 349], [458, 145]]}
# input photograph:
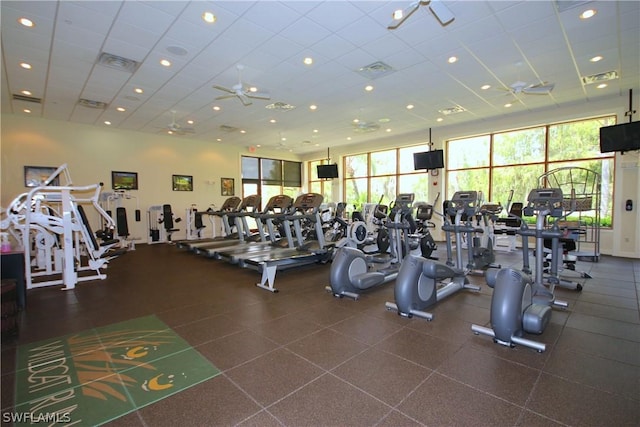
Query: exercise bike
{"points": [[417, 285], [520, 304], [353, 270]]}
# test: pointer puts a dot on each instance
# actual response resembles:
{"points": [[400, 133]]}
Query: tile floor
{"points": [[304, 358]]}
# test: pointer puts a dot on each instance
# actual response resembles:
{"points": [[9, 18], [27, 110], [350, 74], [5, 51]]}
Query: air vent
{"points": [[117, 62], [92, 104], [601, 77], [365, 127], [376, 70], [453, 110], [282, 106], [227, 128], [17, 97]]}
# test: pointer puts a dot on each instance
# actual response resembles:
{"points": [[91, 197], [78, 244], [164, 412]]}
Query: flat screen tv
{"points": [[327, 171], [622, 137], [433, 159]]}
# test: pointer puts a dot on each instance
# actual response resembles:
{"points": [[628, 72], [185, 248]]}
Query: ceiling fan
{"points": [[542, 88], [240, 90], [439, 10], [174, 128]]}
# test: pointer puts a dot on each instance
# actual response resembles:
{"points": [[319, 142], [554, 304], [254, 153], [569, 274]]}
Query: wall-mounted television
{"points": [[429, 160], [622, 137], [327, 171]]}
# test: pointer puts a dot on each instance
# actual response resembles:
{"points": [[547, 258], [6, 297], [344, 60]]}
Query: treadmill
{"points": [[249, 205], [231, 204], [275, 211], [306, 211]]}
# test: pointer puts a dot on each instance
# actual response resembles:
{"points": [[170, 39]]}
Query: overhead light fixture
{"points": [[307, 61], [485, 87], [165, 63], [26, 110], [388, 129], [138, 90], [601, 86], [25, 65], [596, 58], [368, 88], [589, 13], [216, 108], [439, 119], [26, 92], [398, 14], [107, 122], [209, 17], [26, 22], [410, 107], [313, 107], [121, 109], [452, 59], [508, 105], [190, 122], [272, 121]]}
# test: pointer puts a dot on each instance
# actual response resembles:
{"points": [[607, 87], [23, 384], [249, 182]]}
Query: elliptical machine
{"points": [[353, 270], [417, 284], [519, 303]]}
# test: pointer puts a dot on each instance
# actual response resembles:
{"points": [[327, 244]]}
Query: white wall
{"points": [[93, 152]]}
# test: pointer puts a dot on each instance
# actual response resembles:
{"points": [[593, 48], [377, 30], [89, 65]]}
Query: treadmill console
{"points": [[308, 201]]}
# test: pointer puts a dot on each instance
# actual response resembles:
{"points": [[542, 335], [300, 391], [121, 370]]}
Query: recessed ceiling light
{"points": [[410, 107], [596, 58], [307, 61], [485, 87], [107, 122], [138, 90], [313, 107], [26, 110], [452, 59], [507, 105], [272, 121], [216, 108], [315, 131], [398, 14], [356, 120], [190, 122], [165, 62], [219, 139], [589, 13], [368, 88], [25, 65], [439, 119], [283, 139], [209, 17], [26, 92], [243, 131], [388, 129], [348, 138], [121, 109], [601, 86], [26, 22]]}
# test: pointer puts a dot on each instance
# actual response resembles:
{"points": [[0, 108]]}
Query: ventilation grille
{"points": [[92, 104], [17, 97], [282, 106], [117, 62], [376, 70], [453, 110], [365, 127], [601, 77]]}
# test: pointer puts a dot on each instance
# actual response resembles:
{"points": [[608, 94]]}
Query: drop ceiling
{"points": [[497, 43]]}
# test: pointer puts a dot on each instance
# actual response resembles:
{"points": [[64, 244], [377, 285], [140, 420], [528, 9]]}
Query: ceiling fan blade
{"points": [[245, 101], [225, 96], [441, 12], [539, 89], [406, 13], [224, 89], [258, 95]]}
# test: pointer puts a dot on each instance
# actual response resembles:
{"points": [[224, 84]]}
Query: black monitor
{"points": [[622, 137], [433, 159], [327, 171]]}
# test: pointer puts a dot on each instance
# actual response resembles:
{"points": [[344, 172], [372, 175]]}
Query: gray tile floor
{"points": [[304, 358]]}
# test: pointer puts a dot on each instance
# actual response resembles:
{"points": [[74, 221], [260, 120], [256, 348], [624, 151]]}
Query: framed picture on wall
{"points": [[35, 176], [124, 180], [227, 186], [182, 182]]}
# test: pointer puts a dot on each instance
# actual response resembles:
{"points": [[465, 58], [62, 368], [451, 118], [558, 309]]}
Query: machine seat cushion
{"points": [[535, 318], [367, 280]]}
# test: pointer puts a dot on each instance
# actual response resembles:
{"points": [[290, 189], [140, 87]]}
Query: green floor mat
{"points": [[97, 375]]}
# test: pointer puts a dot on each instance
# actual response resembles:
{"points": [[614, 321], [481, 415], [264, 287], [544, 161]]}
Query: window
{"points": [[270, 177], [513, 160]]}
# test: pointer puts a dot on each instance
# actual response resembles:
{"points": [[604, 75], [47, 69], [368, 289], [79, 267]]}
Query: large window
{"points": [[501, 162], [379, 176], [270, 177]]}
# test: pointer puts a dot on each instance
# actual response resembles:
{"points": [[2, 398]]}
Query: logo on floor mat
{"points": [[97, 375]]}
